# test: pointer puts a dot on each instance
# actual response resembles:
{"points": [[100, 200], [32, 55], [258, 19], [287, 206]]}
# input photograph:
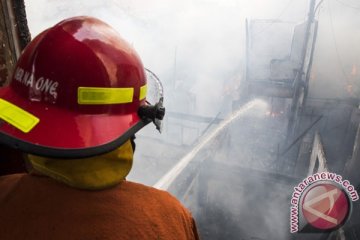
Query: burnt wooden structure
{"points": [[226, 186]]}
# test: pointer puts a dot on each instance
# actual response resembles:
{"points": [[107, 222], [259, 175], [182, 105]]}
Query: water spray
{"points": [[165, 182]]}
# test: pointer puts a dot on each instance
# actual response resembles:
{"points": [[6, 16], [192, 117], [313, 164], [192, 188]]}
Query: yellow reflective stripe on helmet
{"points": [[143, 91], [17, 117], [95, 95]]}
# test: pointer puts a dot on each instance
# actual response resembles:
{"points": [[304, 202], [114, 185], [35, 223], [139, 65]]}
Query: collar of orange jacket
{"points": [[94, 173]]}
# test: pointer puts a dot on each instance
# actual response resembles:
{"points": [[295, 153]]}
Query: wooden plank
{"points": [[271, 89], [317, 156], [14, 36]]}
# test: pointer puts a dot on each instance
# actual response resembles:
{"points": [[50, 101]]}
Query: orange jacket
{"points": [[33, 207]]}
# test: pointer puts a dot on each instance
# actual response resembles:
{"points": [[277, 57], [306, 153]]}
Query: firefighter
{"points": [[76, 99]]}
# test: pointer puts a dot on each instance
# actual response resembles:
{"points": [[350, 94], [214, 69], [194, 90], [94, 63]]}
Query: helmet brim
{"points": [[61, 133]]}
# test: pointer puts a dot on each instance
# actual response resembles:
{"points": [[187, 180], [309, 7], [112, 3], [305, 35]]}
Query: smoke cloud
{"points": [[197, 48]]}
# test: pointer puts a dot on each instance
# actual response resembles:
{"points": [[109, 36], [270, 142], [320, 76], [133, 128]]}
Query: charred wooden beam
{"points": [[14, 36], [318, 161], [271, 89], [22, 28]]}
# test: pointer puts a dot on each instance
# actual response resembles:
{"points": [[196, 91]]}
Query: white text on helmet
{"points": [[40, 84]]}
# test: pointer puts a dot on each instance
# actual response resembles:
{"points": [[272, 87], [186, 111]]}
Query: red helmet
{"points": [[75, 92]]}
